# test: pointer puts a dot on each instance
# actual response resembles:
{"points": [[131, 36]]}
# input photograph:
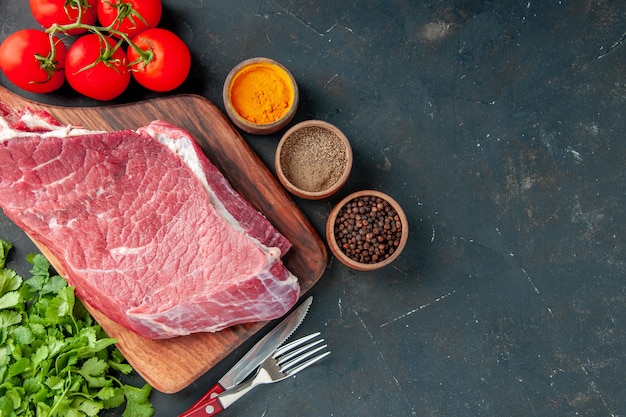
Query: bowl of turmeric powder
{"points": [[260, 96]]}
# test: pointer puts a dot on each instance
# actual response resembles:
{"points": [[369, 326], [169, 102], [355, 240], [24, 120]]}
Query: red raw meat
{"points": [[147, 229]]}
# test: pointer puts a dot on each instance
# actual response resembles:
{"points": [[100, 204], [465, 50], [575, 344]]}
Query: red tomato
{"points": [[64, 12], [96, 67], [130, 16], [26, 60], [163, 62]]}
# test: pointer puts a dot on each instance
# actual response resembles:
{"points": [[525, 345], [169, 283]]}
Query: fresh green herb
{"points": [[55, 360]]}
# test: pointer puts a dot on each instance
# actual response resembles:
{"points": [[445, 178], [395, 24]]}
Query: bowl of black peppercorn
{"points": [[367, 230]]}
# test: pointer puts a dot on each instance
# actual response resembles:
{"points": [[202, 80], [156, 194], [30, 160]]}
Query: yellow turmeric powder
{"points": [[261, 93]]}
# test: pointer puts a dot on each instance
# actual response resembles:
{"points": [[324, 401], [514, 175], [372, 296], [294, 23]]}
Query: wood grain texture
{"points": [[171, 365]]}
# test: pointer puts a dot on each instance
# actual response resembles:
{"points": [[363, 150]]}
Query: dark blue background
{"points": [[498, 126]]}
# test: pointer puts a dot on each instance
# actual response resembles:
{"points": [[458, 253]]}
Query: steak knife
{"points": [[259, 352]]}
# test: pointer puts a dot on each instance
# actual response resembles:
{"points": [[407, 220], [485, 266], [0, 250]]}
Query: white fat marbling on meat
{"points": [[7, 133]]}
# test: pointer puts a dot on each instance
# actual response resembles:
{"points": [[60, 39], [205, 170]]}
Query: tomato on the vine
{"points": [[129, 16], [28, 60], [96, 66], [65, 12], [163, 61]]}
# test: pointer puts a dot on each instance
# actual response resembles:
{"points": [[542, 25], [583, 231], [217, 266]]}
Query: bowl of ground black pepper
{"points": [[260, 96], [367, 230], [313, 159]]}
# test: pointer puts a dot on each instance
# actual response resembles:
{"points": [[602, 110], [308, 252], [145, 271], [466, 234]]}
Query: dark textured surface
{"points": [[498, 126]]}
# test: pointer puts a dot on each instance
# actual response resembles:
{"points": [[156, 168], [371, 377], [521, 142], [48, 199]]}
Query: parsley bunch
{"points": [[55, 360]]}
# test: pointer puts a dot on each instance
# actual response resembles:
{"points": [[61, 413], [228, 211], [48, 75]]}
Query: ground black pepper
{"points": [[313, 158], [368, 229]]}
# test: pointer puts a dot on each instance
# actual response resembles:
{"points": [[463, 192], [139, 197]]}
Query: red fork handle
{"points": [[208, 407]]}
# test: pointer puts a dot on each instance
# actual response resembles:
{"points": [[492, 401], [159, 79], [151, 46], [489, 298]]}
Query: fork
{"points": [[285, 362]]}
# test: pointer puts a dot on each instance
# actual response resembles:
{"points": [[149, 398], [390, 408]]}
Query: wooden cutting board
{"points": [[171, 365]]}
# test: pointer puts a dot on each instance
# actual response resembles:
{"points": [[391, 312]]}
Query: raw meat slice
{"points": [[145, 227], [221, 194]]}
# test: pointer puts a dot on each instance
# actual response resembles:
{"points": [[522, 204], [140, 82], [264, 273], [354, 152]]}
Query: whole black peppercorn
{"points": [[368, 229]]}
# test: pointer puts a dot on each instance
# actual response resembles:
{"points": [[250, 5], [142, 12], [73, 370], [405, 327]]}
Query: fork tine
{"points": [[295, 344], [284, 366], [308, 363], [288, 355]]}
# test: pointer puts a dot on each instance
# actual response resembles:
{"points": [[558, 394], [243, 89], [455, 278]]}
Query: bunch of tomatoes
{"points": [[109, 41]]}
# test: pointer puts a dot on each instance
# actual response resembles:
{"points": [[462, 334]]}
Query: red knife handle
{"points": [[212, 393], [208, 407]]}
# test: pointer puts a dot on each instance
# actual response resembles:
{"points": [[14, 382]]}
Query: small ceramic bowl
{"points": [[367, 230], [313, 159], [260, 96]]}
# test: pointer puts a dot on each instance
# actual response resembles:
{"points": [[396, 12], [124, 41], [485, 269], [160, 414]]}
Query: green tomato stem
{"points": [[124, 10]]}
